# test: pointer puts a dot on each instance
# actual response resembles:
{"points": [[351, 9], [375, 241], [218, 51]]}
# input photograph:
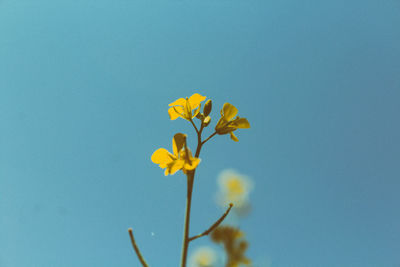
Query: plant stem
{"points": [[185, 242], [215, 225], [195, 127], [211, 136], [190, 181], [136, 248]]}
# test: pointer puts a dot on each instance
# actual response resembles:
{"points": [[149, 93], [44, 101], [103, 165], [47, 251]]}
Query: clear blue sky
{"points": [[84, 93]]}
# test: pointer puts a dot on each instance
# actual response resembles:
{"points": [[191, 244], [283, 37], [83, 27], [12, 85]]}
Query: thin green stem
{"points": [[136, 248], [195, 127], [215, 225], [208, 138], [185, 242], [190, 182], [199, 143]]}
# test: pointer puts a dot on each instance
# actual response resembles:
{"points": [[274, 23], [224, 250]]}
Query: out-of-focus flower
{"points": [[203, 257], [234, 188], [181, 159], [234, 244], [186, 108], [228, 124]]}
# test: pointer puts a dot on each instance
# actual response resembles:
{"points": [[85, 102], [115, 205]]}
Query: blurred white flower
{"points": [[234, 188], [203, 257]]}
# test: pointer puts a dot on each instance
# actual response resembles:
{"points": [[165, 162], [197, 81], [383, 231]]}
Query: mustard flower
{"points": [[203, 257], [234, 188], [228, 124], [234, 244], [186, 108], [180, 159]]}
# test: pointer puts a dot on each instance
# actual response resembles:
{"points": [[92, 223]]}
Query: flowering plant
{"points": [[181, 158]]}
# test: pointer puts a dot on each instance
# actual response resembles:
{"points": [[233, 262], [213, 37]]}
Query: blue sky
{"points": [[84, 93]]}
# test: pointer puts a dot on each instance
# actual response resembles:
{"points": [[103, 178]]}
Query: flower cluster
{"points": [[234, 188], [188, 109], [234, 243]]}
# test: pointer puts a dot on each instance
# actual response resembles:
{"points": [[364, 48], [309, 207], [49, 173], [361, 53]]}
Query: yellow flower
{"points": [[181, 159], [234, 188], [186, 108], [203, 257], [234, 244], [227, 123]]}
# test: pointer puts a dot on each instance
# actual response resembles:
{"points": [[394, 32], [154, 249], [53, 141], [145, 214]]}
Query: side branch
{"points": [[136, 248], [195, 127], [208, 138], [215, 225]]}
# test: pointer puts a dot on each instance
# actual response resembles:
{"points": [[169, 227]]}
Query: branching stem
{"points": [[190, 181], [195, 127], [208, 138], [215, 225]]}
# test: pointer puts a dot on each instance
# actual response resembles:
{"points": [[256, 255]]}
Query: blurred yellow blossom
{"points": [[234, 188], [228, 124], [181, 159], [203, 257], [186, 108], [234, 244]]}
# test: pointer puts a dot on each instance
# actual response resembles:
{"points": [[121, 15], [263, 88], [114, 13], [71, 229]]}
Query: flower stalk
{"points": [[215, 225], [182, 159], [136, 248], [190, 182], [185, 241]]}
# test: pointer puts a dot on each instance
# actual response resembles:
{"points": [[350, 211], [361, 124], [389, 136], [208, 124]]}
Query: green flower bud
{"points": [[200, 116], [207, 107], [207, 121]]}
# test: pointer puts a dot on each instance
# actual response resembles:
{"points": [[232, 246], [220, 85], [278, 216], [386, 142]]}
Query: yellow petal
{"points": [[240, 123], [177, 142], [195, 100], [192, 165], [233, 137], [222, 127], [190, 162], [178, 102], [220, 124], [187, 111], [175, 166], [196, 111], [162, 156], [229, 111], [175, 112]]}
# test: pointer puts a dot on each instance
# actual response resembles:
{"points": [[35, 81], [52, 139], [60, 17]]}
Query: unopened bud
{"points": [[200, 116], [206, 121], [207, 107]]}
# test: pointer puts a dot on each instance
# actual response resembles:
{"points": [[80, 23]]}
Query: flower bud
{"points": [[200, 116], [207, 107], [207, 121]]}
